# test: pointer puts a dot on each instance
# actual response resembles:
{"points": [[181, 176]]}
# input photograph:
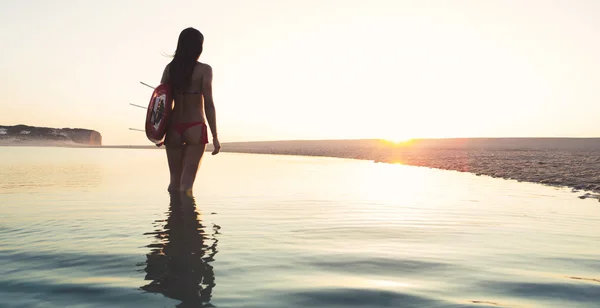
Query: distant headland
{"points": [[32, 135]]}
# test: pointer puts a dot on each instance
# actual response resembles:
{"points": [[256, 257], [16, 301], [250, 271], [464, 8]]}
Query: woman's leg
{"points": [[192, 156], [174, 148]]}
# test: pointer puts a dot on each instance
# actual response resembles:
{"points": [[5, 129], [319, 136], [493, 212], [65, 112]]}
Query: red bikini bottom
{"points": [[180, 128]]}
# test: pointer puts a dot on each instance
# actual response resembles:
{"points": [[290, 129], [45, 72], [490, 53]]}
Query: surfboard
{"points": [[159, 112]]}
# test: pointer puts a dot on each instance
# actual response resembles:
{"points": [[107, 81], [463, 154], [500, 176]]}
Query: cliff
{"points": [[24, 134]]}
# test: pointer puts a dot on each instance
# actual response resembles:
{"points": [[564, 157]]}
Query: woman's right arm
{"points": [[209, 107]]}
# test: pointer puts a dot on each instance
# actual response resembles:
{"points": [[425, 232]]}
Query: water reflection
{"points": [[178, 264], [34, 176]]}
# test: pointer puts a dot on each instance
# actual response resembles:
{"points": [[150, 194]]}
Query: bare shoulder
{"points": [[204, 68]]}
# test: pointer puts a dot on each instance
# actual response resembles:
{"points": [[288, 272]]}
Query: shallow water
{"points": [[96, 228]]}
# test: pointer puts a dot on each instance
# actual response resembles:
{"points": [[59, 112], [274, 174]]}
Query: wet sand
{"points": [[565, 162], [577, 169]]}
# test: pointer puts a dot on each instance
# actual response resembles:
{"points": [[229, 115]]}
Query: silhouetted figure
{"points": [[178, 263], [187, 136]]}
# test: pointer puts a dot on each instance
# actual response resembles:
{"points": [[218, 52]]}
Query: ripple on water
{"points": [[552, 292], [337, 234]]}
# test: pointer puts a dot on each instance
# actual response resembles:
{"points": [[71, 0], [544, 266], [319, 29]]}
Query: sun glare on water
{"points": [[400, 140]]}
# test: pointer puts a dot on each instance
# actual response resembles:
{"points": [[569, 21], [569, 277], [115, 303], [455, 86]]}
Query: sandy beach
{"points": [[566, 162], [577, 169]]}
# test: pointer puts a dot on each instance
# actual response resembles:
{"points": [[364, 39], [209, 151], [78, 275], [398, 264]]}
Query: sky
{"points": [[312, 69]]}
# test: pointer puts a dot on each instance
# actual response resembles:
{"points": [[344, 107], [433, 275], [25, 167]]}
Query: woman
{"points": [[187, 136]]}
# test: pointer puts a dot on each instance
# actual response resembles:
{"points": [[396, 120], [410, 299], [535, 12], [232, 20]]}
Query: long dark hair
{"points": [[189, 48]]}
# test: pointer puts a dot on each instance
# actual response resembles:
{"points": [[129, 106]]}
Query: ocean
{"points": [[88, 227]]}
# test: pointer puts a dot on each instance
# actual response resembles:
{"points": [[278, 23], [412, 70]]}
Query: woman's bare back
{"points": [[189, 105]]}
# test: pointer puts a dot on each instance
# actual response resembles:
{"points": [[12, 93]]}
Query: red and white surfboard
{"points": [[159, 112]]}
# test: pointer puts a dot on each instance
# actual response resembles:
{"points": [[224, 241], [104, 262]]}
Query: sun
{"points": [[398, 140]]}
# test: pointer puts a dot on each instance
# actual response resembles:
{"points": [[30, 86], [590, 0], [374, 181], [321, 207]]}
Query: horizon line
{"points": [[383, 139]]}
